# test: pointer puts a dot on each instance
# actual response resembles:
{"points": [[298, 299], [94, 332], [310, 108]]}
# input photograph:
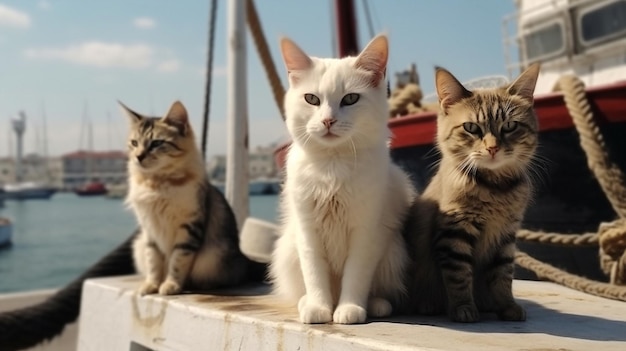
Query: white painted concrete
{"points": [[247, 319]]}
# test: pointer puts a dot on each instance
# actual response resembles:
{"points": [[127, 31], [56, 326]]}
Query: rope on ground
{"points": [[26, 327], [256, 30], [587, 239], [613, 250], [548, 272]]}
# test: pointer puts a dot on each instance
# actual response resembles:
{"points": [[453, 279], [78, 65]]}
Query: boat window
{"points": [[603, 22], [546, 41]]}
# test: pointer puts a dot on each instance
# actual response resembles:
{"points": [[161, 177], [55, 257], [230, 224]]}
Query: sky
{"points": [[71, 60]]}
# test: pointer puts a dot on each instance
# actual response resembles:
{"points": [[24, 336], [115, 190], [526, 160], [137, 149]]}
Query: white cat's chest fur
{"points": [[163, 211], [336, 193]]}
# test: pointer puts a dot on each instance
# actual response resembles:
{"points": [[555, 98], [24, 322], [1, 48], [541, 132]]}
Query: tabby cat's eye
{"points": [[156, 143], [472, 128], [134, 143], [350, 99], [509, 126], [312, 99]]}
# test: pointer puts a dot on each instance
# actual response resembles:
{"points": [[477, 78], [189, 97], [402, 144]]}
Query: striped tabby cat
{"points": [[188, 237], [462, 230]]}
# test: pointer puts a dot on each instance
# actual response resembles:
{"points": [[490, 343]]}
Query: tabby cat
{"points": [[461, 233], [341, 255], [188, 237]]}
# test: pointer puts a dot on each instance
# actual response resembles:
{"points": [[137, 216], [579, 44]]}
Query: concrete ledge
{"points": [[114, 318]]}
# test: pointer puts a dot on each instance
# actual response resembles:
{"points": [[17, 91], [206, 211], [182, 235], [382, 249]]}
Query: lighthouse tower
{"points": [[19, 127]]}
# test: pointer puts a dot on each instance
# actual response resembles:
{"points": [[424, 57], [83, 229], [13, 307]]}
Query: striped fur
{"points": [[461, 233], [188, 237]]}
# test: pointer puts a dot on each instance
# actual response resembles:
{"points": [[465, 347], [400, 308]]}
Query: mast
{"points": [[236, 188], [346, 28]]}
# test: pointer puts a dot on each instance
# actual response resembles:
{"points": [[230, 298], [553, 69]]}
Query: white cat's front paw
{"points": [[349, 314], [313, 313], [378, 307], [170, 287], [148, 287]]}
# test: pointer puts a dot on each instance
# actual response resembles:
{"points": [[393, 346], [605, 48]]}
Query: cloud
{"points": [[98, 54], [10, 17], [44, 5], [168, 66], [144, 23]]}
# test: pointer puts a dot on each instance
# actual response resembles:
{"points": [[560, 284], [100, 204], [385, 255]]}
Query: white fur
{"points": [[343, 202]]}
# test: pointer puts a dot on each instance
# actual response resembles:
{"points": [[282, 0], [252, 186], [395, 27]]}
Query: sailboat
{"points": [[24, 190], [93, 187]]}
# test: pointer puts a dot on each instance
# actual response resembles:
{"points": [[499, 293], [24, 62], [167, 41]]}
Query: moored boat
{"points": [[28, 191], [94, 188]]}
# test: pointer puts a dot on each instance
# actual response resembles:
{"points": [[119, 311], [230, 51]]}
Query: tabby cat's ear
{"points": [[295, 59], [449, 89], [374, 58], [177, 117], [524, 85], [132, 115]]}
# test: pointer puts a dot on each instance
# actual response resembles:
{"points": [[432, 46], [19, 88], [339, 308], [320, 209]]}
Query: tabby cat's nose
{"points": [[140, 157]]}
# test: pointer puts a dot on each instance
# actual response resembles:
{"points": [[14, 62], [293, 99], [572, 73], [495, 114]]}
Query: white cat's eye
{"points": [[312, 99], [509, 126], [350, 99], [472, 128], [134, 143]]}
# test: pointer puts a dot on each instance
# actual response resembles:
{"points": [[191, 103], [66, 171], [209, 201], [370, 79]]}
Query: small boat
{"points": [[6, 232], [94, 188], [28, 191]]}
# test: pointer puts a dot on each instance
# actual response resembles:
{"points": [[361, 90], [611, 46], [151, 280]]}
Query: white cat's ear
{"points": [[177, 117], [374, 58], [295, 59], [524, 85], [133, 116], [449, 89]]}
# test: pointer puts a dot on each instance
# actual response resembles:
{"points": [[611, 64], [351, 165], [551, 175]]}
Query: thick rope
{"points": [[29, 326], [548, 272], [264, 54], [606, 172], [587, 239]]}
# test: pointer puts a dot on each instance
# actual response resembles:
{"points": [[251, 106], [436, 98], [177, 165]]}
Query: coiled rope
{"points": [[611, 237]]}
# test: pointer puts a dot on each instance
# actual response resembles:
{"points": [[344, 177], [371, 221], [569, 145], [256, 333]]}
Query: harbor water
{"points": [[55, 240]]}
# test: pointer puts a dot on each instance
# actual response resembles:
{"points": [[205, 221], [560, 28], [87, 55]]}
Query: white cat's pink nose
{"points": [[329, 122]]}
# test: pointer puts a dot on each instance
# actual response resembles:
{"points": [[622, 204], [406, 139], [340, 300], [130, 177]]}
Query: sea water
{"points": [[55, 240]]}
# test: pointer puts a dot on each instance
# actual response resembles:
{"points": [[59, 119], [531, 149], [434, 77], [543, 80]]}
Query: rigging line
{"points": [[209, 74], [368, 17]]}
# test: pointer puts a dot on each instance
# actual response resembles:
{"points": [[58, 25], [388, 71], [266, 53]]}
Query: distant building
{"points": [[83, 166], [35, 168], [261, 164]]}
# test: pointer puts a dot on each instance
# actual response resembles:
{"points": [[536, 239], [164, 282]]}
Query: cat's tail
{"points": [[29, 326]]}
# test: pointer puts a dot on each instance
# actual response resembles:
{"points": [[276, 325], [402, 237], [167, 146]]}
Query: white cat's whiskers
{"points": [[353, 151]]}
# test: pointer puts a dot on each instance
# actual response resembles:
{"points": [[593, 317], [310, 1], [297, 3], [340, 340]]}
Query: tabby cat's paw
{"points": [[148, 287], [378, 307], [349, 314], [170, 287], [465, 314], [513, 312]]}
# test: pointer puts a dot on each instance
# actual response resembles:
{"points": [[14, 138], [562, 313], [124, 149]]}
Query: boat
{"points": [[584, 38], [92, 188], [117, 191], [257, 186], [28, 191], [6, 232]]}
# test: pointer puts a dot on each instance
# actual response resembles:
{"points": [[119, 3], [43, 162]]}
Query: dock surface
{"points": [[113, 317]]}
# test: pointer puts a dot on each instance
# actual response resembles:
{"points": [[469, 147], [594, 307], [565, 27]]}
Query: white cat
{"points": [[344, 202]]}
